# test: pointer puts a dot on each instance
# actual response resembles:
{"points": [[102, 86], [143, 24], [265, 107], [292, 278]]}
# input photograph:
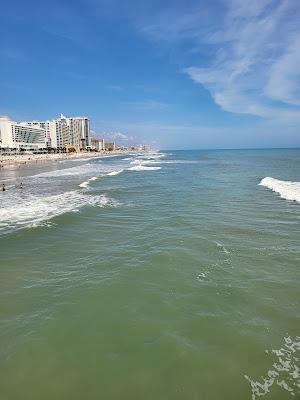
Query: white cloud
{"points": [[284, 81], [249, 53], [119, 135], [258, 62], [120, 138]]}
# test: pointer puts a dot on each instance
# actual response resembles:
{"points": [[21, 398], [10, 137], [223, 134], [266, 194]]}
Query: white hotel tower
{"points": [[79, 131], [65, 132], [17, 136], [60, 134]]}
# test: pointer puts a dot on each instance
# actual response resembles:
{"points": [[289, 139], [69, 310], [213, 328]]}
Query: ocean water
{"points": [[171, 275]]}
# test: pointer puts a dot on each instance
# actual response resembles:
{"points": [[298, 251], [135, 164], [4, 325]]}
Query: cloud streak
{"points": [[257, 63], [252, 53]]}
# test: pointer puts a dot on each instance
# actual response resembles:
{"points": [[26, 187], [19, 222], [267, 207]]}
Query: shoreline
{"points": [[13, 160]]}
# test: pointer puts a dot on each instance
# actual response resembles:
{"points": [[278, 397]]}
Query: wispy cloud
{"points": [[118, 136], [252, 53], [122, 139], [284, 81]]}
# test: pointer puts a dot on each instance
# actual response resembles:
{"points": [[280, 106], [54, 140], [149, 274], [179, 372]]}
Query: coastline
{"points": [[13, 160]]}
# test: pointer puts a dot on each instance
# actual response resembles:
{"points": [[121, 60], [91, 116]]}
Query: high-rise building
{"points": [[79, 131], [49, 136], [58, 133], [110, 146], [97, 144], [21, 136]]}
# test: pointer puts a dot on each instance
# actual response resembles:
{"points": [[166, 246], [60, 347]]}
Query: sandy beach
{"points": [[10, 160]]}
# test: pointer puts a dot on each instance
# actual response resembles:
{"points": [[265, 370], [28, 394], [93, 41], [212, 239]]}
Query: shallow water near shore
{"points": [[172, 275]]}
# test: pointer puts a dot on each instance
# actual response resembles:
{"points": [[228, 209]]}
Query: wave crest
{"points": [[36, 210], [143, 168], [286, 189]]}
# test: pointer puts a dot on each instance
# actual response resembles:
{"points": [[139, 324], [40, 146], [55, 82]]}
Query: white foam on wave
{"points": [[36, 210], [222, 248], [151, 156], [201, 276], [284, 372], [286, 189], [170, 162], [144, 162], [78, 159], [113, 173], [140, 167], [86, 183], [78, 170], [135, 162]]}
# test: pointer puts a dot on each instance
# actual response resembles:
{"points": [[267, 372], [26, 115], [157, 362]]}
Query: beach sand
{"points": [[37, 158], [21, 166]]}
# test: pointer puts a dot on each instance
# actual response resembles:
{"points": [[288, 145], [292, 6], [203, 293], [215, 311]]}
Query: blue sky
{"points": [[176, 74]]}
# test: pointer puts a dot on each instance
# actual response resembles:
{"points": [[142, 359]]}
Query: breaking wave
{"points": [[86, 183], [141, 167], [151, 156], [288, 190], [113, 173], [78, 170], [36, 210]]}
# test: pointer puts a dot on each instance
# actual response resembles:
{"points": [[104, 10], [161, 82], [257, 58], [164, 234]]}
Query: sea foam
{"points": [[113, 173], [288, 190], [73, 171], [86, 183], [36, 210], [284, 371], [143, 168]]}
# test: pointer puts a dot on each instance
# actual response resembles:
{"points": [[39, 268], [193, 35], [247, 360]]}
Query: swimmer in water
{"points": [[21, 185], [3, 187]]}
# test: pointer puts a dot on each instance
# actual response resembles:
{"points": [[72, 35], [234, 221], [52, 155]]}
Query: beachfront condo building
{"points": [[56, 133], [79, 131], [64, 133], [97, 144], [50, 136], [110, 146], [21, 136], [59, 134]]}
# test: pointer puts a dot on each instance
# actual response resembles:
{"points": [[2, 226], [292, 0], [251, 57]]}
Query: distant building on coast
{"points": [[79, 131], [61, 134], [97, 144], [65, 133], [49, 130], [21, 136], [110, 146]]}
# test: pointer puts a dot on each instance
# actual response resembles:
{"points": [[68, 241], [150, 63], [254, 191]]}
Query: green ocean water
{"points": [[173, 275]]}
